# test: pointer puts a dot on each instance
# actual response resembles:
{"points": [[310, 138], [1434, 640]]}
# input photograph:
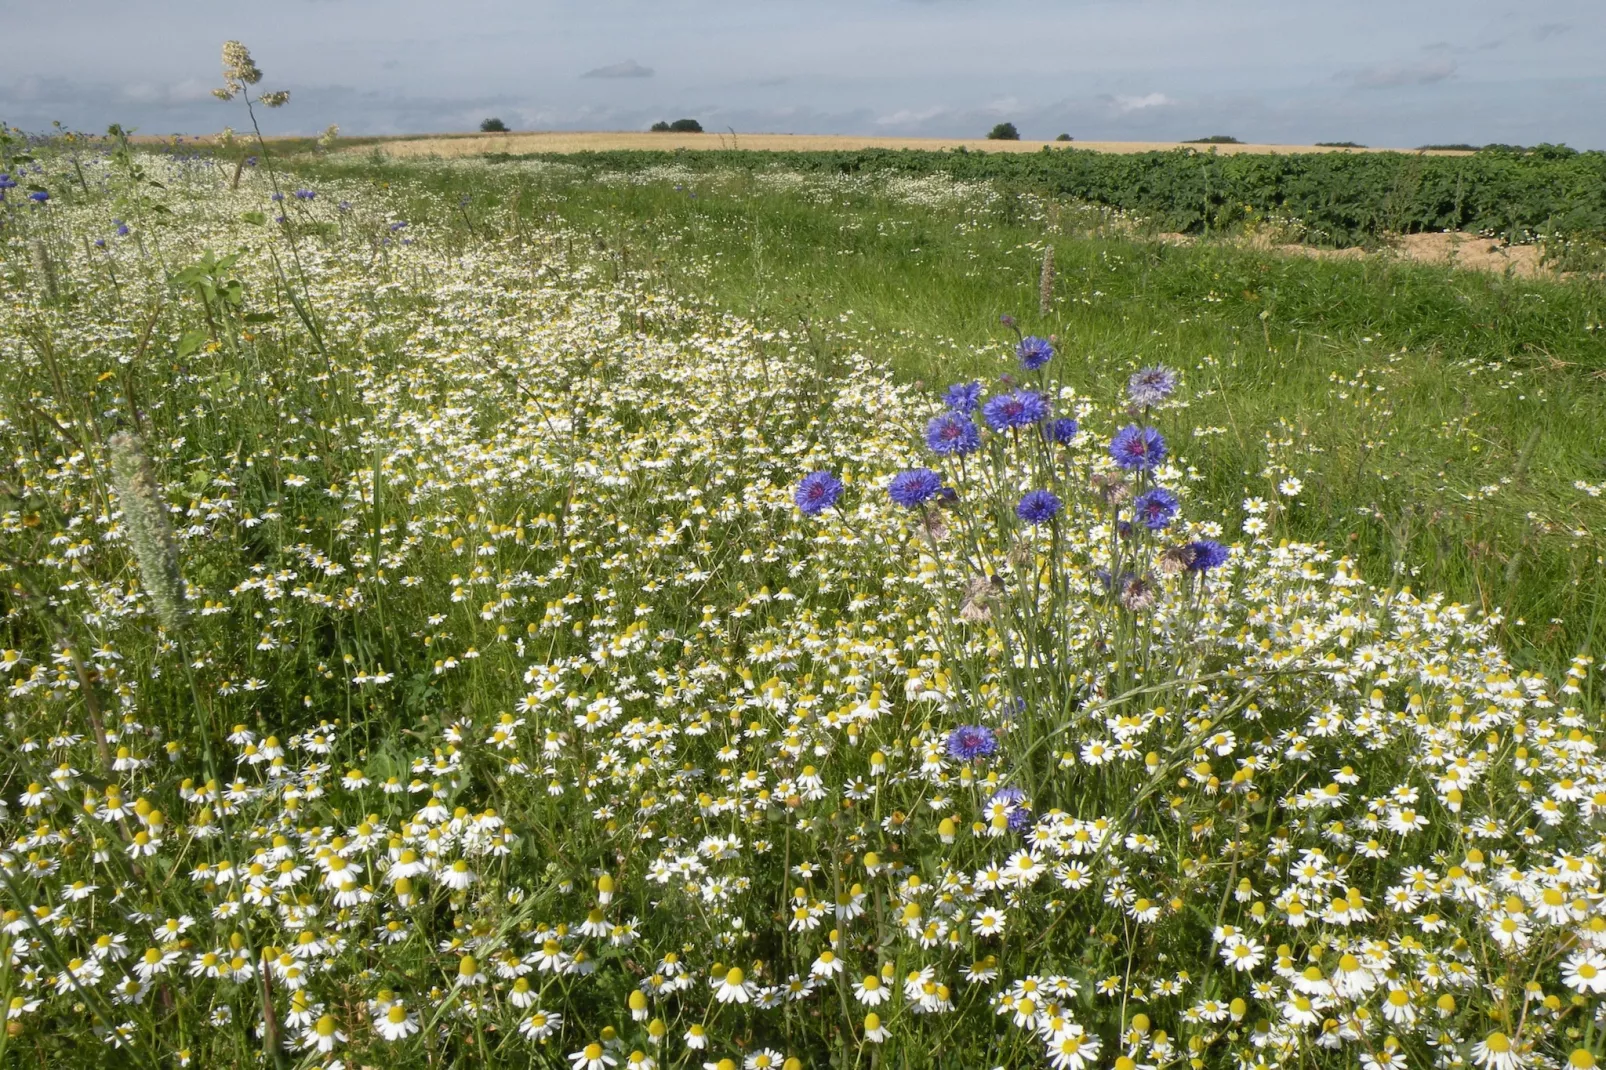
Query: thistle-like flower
{"points": [[150, 532]]}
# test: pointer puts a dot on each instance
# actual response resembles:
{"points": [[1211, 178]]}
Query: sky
{"points": [[1395, 73]]}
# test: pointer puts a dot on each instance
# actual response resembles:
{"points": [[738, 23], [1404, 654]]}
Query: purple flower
{"points": [[817, 492], [1150, 386], [1020, 814], [1206, 554], [952, 433], [914, 487], [39, 196], [344, 206], [1063, 430], [122, 228], [963, 397], [7, 182], [970, 741], [1156, 508], [394, 227], [1034, 352], [1019, 409], [277, 197], [1038, 507], [1139, 448], [304, 194]]}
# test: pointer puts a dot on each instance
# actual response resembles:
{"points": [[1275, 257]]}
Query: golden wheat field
{"points": [[604, 140]]}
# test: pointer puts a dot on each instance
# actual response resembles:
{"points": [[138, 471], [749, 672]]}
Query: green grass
{"points": [[1438, 418]]}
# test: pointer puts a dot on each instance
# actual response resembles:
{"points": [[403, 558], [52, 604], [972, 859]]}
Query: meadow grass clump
{"points": [[557, 669]]}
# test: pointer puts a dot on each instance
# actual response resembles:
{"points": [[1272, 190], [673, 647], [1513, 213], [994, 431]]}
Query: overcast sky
{"points": [[1381, 72]]}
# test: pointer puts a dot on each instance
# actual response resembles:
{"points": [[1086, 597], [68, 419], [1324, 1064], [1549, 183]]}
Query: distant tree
{"points": [[1459, 146], [1214, 139], [660, 127], [493, 126], [1003, 132], [686, 126], [1063, 137], [1339, 145]]}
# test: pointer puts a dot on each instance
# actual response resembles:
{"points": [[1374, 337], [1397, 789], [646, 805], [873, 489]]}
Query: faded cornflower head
{"points": [[1138, 593], [1150, 386], [150, 532]]}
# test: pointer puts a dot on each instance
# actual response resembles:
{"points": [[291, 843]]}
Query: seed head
{"points": [[150, 533], [1045, 282]]}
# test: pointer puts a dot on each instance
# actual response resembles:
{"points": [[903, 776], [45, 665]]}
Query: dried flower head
{"points": [[150, 532], [1137, 593], [239, 70], [978, 593]]}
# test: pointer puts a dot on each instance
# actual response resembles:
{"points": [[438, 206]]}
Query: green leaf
{"points": [[254, 218], [191, 341], [261, 317]]}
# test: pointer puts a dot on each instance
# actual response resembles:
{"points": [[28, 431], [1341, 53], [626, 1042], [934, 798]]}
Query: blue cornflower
{"points": [[914, 487], [1150, 386], [304, 195], [963, 397], [952, 433], [1019, 409], [1063, 430], [394, 227], [1156, 508], [1020, 814], [817, 492], [344, 206], [250, 161], [1206, 554], [1034, 352], [100, 243], [277, 197], [1038, 507], [39, 196], [7, 182], [1137, 447], [122, 228], [970, 741]]}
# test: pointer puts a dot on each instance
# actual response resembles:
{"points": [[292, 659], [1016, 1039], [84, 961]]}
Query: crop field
{"points": [[626, 612]]}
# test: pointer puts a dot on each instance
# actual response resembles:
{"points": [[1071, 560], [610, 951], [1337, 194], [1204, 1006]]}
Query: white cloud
{"points": [[1148, 100], [909, 117]]}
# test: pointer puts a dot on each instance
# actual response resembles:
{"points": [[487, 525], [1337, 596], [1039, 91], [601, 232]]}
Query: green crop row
{"points": [[1333, 199]]}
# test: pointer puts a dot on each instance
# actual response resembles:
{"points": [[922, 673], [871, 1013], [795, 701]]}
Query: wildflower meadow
{"points": [[429, 643]]}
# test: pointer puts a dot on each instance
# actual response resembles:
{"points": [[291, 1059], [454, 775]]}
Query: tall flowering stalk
{"points": [[150, 533], [1045, 282]]}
